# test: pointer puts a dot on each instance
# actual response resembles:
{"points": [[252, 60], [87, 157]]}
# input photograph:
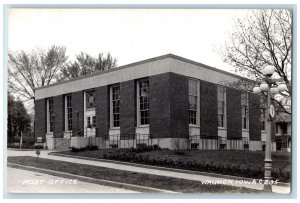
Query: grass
{"points": [[248, 164], [155, 181]]}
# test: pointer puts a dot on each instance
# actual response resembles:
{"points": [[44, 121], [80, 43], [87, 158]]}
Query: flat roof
{"points": [[146, 61]]}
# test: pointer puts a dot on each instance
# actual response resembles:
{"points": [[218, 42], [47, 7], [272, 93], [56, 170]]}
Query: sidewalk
{"points": [[153, 171], [25, 181]]}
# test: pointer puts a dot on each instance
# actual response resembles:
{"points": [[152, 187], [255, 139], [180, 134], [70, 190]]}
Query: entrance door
{"points": [[91, 125]]}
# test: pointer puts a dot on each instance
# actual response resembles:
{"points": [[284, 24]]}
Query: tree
{"points": [[86, 64], [18, 118], [263, 38], [28, 71]]}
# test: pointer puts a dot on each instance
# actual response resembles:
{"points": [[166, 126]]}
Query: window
{"points": [[115, 106], [143, 102], [193, 102], [94, 121], [284, 143], [50, 114], [245, 111], [284, 128], [277, 128], [89, 122], [68, 112], [194, 145], [221, 106], [90, 99]]}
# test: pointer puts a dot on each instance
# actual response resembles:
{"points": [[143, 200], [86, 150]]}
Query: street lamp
{"points": [[271, 87]]}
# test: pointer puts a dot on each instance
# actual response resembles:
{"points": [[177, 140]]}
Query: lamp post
{"points": [[269, 86]]}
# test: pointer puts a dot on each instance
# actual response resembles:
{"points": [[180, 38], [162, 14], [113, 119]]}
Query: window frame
{"points": [[138, 99], [50, 121], [112, 126], [68, 116], [197, 96]]}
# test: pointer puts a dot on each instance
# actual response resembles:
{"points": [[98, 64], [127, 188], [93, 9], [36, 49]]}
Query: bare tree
{"points": [[28, 71], [86, 64], [263, 38]]}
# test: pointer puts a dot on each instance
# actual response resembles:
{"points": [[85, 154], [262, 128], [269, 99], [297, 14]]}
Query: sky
{"points": [[130, 35]]}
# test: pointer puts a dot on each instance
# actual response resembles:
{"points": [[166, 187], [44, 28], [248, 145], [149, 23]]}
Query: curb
{"points": [[92, 180], [18, 149], [281, 184]]}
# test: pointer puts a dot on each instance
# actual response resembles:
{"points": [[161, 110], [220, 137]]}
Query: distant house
{"points": [[168, 101], [283, 132]]}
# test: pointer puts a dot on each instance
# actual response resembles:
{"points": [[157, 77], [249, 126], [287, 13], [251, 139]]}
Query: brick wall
{"points": [[77, 113], [40, 125], [179, 106], [160, 121], [58, 110], [254, 118], [234, 113], [102, 111], [208, 109], [127, 109]]}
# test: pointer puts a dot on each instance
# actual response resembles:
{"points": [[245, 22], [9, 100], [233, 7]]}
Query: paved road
{"points": [[202, 178], [24, 181]]}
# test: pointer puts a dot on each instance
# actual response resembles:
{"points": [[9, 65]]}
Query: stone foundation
{"points": [[58, 143]]}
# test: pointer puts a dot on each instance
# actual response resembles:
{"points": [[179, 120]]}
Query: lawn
{"points": [[248, 164], [155, 181]]}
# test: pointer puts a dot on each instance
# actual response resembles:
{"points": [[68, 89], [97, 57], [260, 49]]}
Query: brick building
{"points": [[168, 100]]}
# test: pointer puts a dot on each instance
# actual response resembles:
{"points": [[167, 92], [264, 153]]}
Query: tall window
{"points": [[115, 106], [193, 101], [143, 102], [50, 114], [245, 111], [94, 121], [69, 112], [221, 106], [89, 124], [90, 99]]}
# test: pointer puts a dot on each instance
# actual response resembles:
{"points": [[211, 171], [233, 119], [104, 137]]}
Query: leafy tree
{"points": [[18, 118], [263, 38], [38, 68], [86, 64]]}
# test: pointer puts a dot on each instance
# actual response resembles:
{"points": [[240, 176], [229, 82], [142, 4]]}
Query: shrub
{"points": [[38, 147], [177, 152], [92, 148], [73, 149], [156, 147], [166, 158]]}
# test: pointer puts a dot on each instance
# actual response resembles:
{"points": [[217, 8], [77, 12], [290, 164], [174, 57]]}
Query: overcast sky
{"points": [[130, 35]]}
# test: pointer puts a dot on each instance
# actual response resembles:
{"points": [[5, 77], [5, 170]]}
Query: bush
{"points": [[73, 149], [167, 158], [156, 147], [92, 148], [177, 152], [38, 147]]}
